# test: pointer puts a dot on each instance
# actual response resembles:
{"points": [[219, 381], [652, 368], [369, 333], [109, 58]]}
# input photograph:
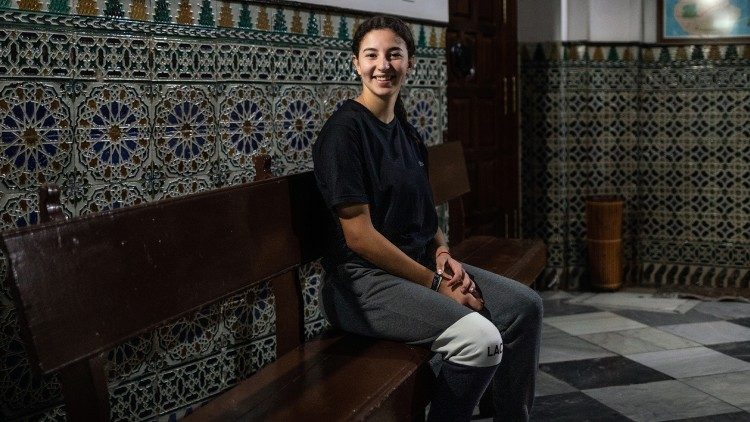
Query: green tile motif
{"points": [[279, 21], [612, 56], [113, 9], [246, 19], [162, 12], [206, 17], [312, 25], [343, 29], [59, 6]]}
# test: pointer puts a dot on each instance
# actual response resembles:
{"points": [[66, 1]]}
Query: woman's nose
{"points": [[384, 64]]}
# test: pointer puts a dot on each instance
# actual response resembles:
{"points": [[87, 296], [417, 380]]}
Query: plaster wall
{"points": [[434, 10]]}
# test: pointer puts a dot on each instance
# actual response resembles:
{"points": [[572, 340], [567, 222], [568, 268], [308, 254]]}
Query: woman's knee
{"points": [[532, 306], [471, 341]]}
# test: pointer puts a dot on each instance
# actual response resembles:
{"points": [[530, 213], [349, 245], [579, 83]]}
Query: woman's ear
{"points": [[355, 63]]}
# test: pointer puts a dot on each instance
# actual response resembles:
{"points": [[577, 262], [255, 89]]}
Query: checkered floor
{"points": [[605, 362]]}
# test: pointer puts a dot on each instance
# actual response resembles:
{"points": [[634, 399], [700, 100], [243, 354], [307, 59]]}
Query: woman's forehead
{"points": [[381, 38]]}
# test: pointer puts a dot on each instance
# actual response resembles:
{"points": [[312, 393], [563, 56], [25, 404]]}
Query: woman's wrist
{"points": [[436, 280], [441, 250]]}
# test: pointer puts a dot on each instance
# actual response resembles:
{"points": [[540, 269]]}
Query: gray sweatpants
{"points": [[374, 303]]}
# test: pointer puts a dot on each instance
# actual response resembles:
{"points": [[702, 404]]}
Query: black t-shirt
{"points": [[360, 159]]}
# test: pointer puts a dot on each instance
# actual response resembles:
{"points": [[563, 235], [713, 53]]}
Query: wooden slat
{"points": [[87, 284], [448, 175]]}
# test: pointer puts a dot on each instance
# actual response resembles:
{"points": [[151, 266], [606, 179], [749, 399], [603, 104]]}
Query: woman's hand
{"points": [[456, 281], [466, 299], [453, 273]]}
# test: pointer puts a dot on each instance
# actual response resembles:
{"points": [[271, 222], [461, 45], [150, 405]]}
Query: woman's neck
{"points": [[382, 108]]}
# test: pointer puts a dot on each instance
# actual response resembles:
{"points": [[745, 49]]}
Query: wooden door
{"points": [[483, 110]]}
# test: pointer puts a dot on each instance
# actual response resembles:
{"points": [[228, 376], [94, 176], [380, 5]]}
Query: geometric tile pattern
{"points": [[193, 97], [666, 128]]}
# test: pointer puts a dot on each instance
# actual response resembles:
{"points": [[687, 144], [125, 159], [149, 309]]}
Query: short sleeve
{"points": [[339, 166]]}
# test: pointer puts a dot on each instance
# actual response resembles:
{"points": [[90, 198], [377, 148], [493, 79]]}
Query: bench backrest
{"points": [[450, 180], [85, 285]]}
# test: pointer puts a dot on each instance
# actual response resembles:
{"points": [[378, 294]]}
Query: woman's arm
{"points": [[362, 238]]}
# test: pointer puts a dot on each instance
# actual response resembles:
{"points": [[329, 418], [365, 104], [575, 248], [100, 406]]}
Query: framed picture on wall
{"points": [[703, 21]]}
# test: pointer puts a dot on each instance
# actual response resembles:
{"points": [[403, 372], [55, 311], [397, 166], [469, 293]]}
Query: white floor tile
{"points": [[639, 340], [593, 322], [690, 362], [733, 388], [660, 401], [564, 348], [636, 301], [715, 332]]}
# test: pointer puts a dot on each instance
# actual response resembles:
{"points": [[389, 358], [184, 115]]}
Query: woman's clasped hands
{"points": [[457, 284]]}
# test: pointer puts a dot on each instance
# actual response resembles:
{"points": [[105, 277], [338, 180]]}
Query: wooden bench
{"points": [[522, 260], [84, 285]]}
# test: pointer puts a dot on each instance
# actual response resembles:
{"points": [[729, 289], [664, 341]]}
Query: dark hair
{"points": [[403, 31], [396, 25]]}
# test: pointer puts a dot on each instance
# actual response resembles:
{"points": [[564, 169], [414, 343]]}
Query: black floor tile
{"points": [[739, 416], [602, 372], [572, 407], [654, 319], [741, 321], [560, 307], [739, 350]]}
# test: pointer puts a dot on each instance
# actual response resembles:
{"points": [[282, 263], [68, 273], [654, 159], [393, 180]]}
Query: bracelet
{"points": [[442, 252], [436, 280]]}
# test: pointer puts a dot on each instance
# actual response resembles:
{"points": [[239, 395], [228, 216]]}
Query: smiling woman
{"points": [[390, 273]]}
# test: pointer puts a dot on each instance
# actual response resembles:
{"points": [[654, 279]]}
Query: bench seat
{"points": [[364, 378], [519, 259]]}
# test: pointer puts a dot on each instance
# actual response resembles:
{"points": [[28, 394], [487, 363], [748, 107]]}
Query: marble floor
{"points": [[636, 357]]}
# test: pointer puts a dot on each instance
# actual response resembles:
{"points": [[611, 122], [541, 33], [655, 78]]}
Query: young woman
{"points": [[390, 273]]}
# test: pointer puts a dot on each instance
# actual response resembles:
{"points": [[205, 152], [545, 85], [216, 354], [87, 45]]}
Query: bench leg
{"points": [[84, 387]]}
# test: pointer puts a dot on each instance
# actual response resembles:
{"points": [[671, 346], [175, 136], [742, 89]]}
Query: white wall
{"points": [[649, 21], [615, 20], [434, 10], [587, 20], [578, 19], [539, 21]]}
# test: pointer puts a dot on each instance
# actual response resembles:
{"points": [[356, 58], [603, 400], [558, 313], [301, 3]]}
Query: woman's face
{"points": [[382, 62]]}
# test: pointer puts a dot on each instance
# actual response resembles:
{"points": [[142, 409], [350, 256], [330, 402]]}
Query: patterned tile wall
{"points": [[665, 127], [123, 102]]}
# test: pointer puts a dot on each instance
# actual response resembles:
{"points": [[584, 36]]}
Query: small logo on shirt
{"points": [[421, 164]]}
